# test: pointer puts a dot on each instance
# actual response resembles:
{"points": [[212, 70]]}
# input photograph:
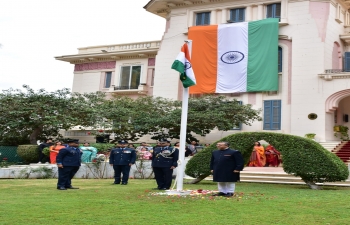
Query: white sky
{"points": [[32, 32]]}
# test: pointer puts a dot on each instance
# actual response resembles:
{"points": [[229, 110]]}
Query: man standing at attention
{"points": [[225, 166], [164, 161], [122, 158], [68, 163]]}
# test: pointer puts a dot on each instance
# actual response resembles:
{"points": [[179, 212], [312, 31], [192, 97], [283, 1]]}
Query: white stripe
{"points": [[189, 72], [181, 57], [232, 41]]}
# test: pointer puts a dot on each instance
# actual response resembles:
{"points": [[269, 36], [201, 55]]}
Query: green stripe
{"points": [[178, 66], [186, 82], [262, 71]]}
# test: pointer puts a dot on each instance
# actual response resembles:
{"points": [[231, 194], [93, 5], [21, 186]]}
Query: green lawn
{"points": [[24, 201]]}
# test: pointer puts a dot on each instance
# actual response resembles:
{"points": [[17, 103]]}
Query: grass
{"points": [[36, 201]]}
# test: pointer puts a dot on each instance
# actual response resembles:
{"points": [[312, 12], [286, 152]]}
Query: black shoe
{"points": [[228, 195], [163, 188], [71, 187], [116, 183], [61, 188], [219, 194], [124, 183], [155, 188]]}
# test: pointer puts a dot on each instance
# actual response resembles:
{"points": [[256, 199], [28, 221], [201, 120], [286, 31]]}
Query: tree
{"points": [[130, 119], [205, 114], [29, 116]]}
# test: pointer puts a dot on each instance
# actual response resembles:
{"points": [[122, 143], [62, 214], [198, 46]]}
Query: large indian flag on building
{"points": [[236, 57]]}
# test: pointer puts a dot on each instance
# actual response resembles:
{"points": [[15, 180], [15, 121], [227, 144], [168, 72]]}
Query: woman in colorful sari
{"points": [[89, 153], [54, 149], [273, 157], [257, 158]]}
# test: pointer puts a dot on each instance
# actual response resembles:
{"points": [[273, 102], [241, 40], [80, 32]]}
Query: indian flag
{"points": [[237, 57], [182, 64]]}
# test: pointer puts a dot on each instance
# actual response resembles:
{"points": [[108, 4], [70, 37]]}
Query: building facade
{"points": [[313, 65]]}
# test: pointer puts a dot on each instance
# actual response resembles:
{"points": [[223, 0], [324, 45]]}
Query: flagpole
{"points": [[183, 131]]}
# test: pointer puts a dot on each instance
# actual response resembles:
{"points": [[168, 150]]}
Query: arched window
{"points": [[279, 59]]}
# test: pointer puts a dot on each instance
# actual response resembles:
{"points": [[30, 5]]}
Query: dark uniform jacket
{"points": [[165, 157], [224, 162], [120, 156], [69, 156]]}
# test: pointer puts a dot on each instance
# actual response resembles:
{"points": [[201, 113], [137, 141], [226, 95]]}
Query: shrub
{"points": [[301, 157], [46, 151], [29, 153], [102, 148]]}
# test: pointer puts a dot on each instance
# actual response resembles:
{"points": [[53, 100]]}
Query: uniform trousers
{"points": [[125, 170], [226, 187], [163, 176], [65, 175]]}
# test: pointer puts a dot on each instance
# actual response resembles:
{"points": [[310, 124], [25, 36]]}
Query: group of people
{"points": [[225, 164], [88, 152], [261, 157]]}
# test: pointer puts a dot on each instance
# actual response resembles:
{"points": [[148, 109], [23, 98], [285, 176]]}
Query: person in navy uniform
{"points": [[68, 163], [164, 161], [225, 166], [122, 158]]}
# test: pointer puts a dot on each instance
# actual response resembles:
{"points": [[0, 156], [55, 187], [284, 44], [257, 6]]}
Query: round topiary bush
{"points": [[29, 153], [301, 157]]}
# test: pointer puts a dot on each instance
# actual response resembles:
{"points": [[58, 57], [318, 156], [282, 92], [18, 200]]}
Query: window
{"points": [[130, 77], [347, 62], [239, 127], [108, 79], [203, 18], [279, 59], [272, 115], [237, 15], [273, 10], [152, 81]]}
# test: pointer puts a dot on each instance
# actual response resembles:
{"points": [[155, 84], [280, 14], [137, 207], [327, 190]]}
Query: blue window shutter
{"points": [[269, 11], [272, 115], [241, 15], [203, 18], [347, 62], [108, 78], [237, 15], [273, 10], [277, 10], [276, 115], [267, 115], [206, 18], [279, 59]]}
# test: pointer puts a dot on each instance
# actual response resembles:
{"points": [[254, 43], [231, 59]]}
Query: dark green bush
{"points": [[301, 156], [29, 153], [102, 148]]}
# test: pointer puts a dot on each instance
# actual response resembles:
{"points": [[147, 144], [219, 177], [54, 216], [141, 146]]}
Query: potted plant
{"points": [[342, 133], [310, 136]]}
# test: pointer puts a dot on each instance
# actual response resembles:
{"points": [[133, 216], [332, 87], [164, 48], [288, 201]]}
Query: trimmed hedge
{"points": [[29, 153], [301, 156]]}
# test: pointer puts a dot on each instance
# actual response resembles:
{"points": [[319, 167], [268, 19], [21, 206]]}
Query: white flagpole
{"points": [[184, 112]]}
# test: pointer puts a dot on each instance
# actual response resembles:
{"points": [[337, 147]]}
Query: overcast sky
{"points": [[32, 32]]}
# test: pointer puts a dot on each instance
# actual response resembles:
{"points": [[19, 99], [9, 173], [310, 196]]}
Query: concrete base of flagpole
{"points": [[175, 192]]}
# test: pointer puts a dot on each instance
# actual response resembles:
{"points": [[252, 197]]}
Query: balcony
{"points": [[330, 74], [129, 90]]}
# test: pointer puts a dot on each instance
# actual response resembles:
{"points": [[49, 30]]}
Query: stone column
{"points": [[224, 16], [261, 12], [248, 14], [284, 11], [213, 17]]}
